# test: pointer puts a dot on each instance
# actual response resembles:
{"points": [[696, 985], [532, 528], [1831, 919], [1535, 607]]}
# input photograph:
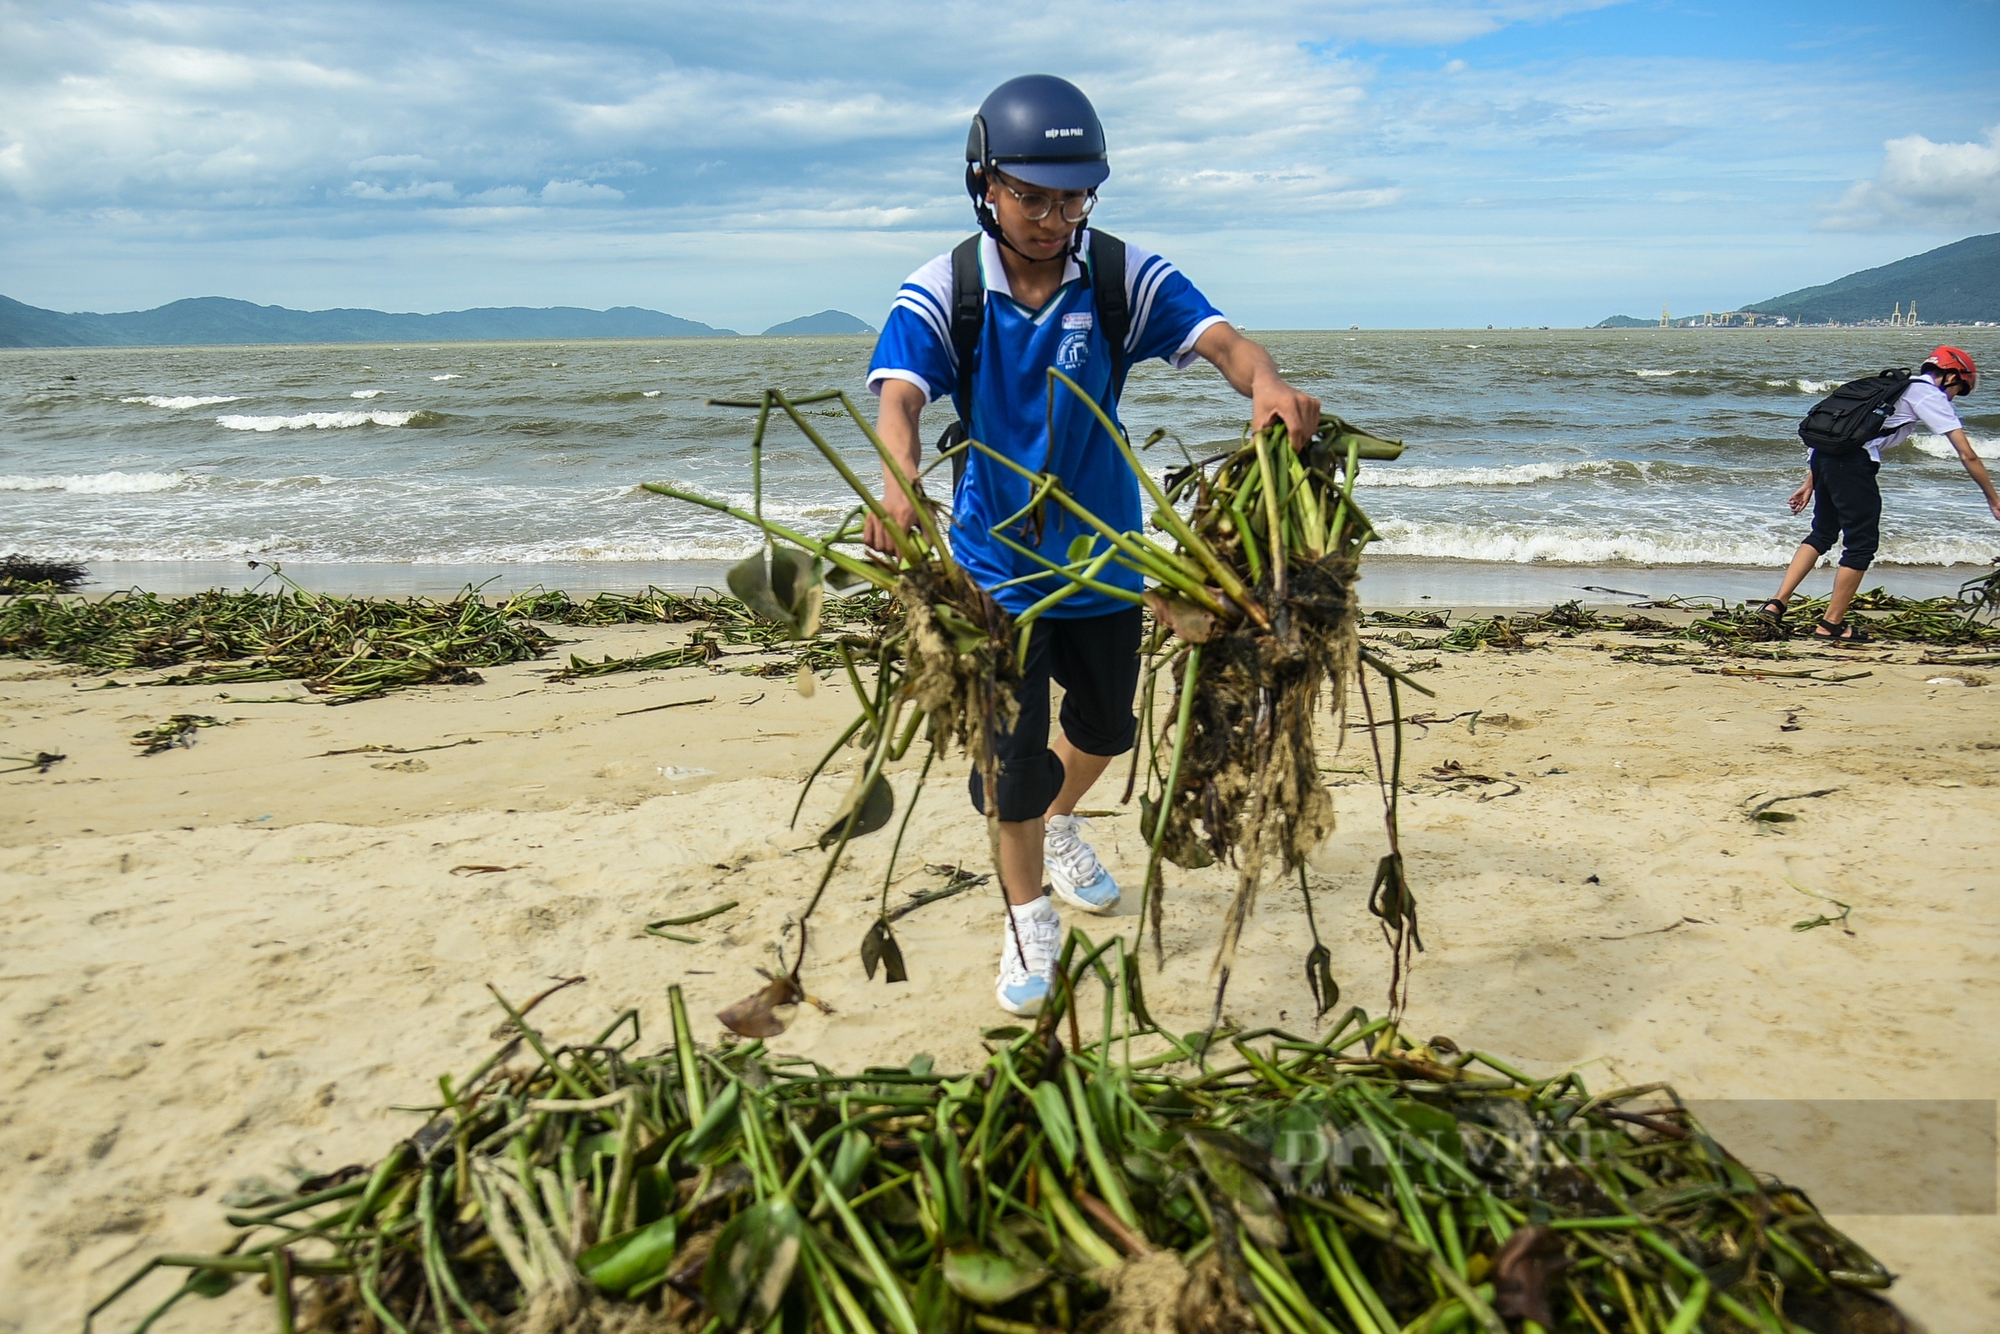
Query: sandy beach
{"points": [[228, 961]]}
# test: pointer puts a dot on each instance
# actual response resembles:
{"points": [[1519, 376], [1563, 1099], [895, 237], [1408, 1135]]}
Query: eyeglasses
{"points": [[1035, 205]]}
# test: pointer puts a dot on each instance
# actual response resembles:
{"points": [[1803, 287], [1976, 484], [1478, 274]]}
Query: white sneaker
{"points": [[1075, 874], [1022, 989]]}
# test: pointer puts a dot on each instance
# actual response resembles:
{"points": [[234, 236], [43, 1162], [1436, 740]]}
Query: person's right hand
{"points": [[901, 512], [1801, 498]]}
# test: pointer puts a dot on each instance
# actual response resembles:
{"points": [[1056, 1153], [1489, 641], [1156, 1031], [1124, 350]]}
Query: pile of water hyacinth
{"points": [[1234, 1183], [346, 649], [1249, 561]]}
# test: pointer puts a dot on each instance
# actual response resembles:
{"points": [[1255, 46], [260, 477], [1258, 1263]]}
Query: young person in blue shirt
{"points": [[1036, 157]]}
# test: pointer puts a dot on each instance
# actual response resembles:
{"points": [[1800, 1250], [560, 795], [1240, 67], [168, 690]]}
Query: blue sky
{"points": [[1422, 162]]}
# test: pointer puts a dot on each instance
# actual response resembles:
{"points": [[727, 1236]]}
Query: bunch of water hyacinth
{"points": [[1236, 1183], [1252, 591], [945, 660]]}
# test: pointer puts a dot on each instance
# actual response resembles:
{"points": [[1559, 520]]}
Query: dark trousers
{"points": [[1847, 503], [1095, 659]]}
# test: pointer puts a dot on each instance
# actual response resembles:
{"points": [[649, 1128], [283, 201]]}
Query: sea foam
{"points": [[1520, 474], [320, 421], [1569, 546], [1940, 448], [181, 400], [101, 483], [366, 393]]}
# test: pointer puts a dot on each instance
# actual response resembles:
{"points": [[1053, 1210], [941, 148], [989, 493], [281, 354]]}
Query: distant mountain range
{"points": [[1954, 284], [214, 319], [820, 325]]}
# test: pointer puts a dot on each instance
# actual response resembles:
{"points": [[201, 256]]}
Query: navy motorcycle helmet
{"points": [[1040, 130]]}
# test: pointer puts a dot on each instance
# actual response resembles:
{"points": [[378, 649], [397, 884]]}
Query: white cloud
{"points": [[394, 162], [414, 190], [579, 192], [1926, 183]]}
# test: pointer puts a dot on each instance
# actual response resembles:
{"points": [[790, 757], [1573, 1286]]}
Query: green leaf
{"points": [[986, 1279], [209, 1282], [1079, 550], [879, 947], [1436, 1128], [851, 1160], [752, 1263], [1255, 1203], [937, 1308], [620, 1263], [1056, 1122], [720, 1116], [877, 804], [782, 587], [750, 580], [795, 583]]}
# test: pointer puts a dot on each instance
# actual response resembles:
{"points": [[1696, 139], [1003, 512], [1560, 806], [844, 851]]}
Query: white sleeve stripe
{"points": [[1149, 284], [912, 292], [1185, 355], [875, 379], [936, 322], [1145, 310]]}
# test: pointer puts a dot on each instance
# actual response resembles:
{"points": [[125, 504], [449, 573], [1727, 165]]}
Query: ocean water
{"points": [[1560, 457]]}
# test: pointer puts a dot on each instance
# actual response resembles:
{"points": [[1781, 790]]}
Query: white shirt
{"points": [[1922, 404]]}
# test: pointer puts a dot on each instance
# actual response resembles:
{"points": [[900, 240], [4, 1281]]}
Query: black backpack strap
{"points": [[1114, 310], [968, 312]]}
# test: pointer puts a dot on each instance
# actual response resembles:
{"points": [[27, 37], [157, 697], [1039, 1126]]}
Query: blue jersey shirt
{"points": [[1010, 409]]}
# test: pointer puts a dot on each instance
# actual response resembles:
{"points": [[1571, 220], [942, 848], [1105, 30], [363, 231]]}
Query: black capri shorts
{"points": [[1095, 659], [1847, 503]]}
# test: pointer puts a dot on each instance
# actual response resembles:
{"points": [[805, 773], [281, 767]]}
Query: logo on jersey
{"points": [[1081, 319], [1074, 349]]}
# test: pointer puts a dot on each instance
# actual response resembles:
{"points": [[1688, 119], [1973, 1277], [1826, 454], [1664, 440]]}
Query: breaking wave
{"points": [[1520, 474], [319, 421], [101, 483], [1568, 546], [1940, 448], [181, 400]]}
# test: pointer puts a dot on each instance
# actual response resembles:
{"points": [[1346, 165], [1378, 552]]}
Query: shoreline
{"points": [[1387, 581]]}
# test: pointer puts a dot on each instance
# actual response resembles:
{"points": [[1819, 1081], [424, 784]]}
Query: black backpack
{"points": [[1852, 415], [968, 319]]}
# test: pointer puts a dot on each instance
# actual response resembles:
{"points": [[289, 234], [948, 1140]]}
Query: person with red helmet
{"points": [[1847, 502]]}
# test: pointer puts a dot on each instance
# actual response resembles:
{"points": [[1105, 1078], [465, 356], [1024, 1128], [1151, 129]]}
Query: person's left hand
{"points": [[1272, 399]]}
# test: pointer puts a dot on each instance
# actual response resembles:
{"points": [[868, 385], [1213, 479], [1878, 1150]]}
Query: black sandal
{"points": [[1840, 632], [1767, 612]]}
